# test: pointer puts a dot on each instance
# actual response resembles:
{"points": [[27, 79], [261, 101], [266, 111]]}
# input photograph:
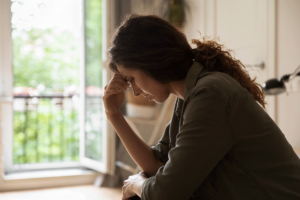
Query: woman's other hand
{"points": [[133, 185], [114, 95]]}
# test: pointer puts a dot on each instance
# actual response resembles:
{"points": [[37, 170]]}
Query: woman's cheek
{"points": [[161, 98]]}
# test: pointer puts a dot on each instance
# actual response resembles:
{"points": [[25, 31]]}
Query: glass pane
{"points": [[46, 38], [93, 79]]}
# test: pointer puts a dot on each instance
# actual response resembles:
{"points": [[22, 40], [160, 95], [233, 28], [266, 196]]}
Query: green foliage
{"points": [[47, 134], [93, 63], [93, 128], [50, 57], [176, 12], [93, 42]]}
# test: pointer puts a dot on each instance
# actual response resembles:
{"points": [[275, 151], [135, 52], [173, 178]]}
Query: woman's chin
{"points": [[154, 100], [160, 101]]}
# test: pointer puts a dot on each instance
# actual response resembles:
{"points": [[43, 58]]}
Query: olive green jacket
{"points": [[220, 144]]}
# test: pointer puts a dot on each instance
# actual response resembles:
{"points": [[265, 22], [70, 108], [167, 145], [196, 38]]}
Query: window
{"points": [[53, 84]]}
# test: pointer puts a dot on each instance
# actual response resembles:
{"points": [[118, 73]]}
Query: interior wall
{"points": [[288, 58], [195, 22], [122, 7]]}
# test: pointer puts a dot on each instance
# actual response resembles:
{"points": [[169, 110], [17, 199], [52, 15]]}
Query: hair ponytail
{"points": [[214, 58]]}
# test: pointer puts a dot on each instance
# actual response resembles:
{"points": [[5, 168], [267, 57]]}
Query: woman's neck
{"points": [[177, 88]]}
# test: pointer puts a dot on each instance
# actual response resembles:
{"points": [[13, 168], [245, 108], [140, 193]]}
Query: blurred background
{"points": [[53, 66]]}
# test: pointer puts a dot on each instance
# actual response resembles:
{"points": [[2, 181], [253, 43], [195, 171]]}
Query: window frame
{"points": [[108, 146]]}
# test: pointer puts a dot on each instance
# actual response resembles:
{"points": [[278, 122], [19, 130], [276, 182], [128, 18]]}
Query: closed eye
{"points": [[126, 80], [131, 80]]}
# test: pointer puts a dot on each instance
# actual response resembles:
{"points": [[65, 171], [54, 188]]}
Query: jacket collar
{"points": [[192, 77], [190, 82]]}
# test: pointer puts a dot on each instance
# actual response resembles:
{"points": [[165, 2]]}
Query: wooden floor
{"points": [[85, 192]]}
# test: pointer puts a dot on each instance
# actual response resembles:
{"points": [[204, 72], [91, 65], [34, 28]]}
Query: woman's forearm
{"points": [[139, 151]]}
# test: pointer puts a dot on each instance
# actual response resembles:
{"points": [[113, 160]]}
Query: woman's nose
{"points": [[136, 90]]}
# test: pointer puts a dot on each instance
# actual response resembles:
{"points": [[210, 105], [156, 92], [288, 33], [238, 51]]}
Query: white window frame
{"points": [[108, 146], [6, 113]]}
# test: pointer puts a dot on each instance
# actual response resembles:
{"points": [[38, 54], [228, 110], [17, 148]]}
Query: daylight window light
{"points": [[277, 86]]}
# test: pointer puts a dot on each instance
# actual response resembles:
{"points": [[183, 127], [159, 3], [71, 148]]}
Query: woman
{"points": [[220, 142]]}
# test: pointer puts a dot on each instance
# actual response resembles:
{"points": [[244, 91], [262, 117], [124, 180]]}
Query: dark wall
{"points": [[123, 8]]}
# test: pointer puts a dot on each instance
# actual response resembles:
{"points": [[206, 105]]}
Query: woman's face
{"points": [[144, 85]]}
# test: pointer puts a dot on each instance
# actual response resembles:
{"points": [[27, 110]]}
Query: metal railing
{"points": [[46, 129]]}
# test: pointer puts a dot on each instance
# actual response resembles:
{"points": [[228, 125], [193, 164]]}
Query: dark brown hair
{"points": [[151, 44]]}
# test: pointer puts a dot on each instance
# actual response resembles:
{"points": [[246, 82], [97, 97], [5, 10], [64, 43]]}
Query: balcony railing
{"points": [[46, 129]]}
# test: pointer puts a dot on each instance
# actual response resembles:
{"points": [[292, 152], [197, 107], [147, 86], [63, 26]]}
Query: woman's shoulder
{"points": [[218, 82]]}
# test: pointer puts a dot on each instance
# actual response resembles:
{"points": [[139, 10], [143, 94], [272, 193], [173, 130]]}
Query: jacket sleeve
{"points": [[162, 149], [203, 140]]}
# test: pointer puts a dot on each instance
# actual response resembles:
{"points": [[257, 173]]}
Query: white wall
{"points": [[196, 20], [288, 58]]}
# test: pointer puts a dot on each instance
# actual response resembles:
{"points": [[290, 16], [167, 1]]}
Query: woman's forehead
{"points": [[123, 71]]}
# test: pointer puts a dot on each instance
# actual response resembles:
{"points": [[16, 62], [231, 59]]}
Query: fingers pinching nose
{"points": [[126, 87]]}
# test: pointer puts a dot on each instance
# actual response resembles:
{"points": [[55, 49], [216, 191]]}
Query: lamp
{"points": [[277, 86]]}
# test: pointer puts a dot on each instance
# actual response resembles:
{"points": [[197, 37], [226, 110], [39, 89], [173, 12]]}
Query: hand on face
{"points": [[133, 185], [114, 95]]}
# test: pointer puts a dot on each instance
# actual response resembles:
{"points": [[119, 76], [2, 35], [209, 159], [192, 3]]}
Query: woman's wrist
{"points": [[138, 186], [114, 116]]}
